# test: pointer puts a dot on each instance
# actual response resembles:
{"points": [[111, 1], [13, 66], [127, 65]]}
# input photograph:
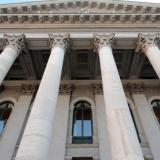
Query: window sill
{"points": [[82, 145]]}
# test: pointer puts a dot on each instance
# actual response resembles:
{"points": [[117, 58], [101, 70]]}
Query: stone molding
{"points": [[79, 11], [59, 40], [66, 89], [102, 41], [134, 88], [97, 88], [146, 41], [28, 89], [15, 41]]}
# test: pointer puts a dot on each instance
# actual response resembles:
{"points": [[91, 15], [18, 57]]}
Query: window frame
{"points": [[7, 102], [157, 100], [82, 139], [94, 119]]}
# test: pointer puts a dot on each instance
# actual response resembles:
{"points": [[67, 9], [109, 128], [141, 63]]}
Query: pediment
{"points": [[76, 11]]}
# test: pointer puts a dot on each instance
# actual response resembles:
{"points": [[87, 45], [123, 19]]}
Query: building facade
{"points": [[79, 80]]}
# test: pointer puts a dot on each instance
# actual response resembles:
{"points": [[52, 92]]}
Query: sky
{"points": [[18, 1], [15, 1]]}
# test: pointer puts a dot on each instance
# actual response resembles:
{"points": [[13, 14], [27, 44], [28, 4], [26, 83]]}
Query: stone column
{"points": [[122, 135], [147, 117], [104, 147], [148, 44], [37, 136], [58, 142], [13, 46]]}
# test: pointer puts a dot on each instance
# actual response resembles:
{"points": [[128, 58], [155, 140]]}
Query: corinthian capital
{"points": [[16, 42], [102, 41], [66, 88], [60, 40], [146, 41]]}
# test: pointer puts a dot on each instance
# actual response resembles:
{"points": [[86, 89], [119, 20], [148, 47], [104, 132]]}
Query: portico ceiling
{"points": [[81, 19]]}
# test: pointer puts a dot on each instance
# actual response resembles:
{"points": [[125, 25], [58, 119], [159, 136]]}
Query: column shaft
{"points": [[153, 54], [13, 45], [148, 44], [7, 58], [149, 122], [122, 135], [37, 135]]}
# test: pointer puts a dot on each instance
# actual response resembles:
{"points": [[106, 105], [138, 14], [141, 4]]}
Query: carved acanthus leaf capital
{"points": [[17, 42], [146, 41], [28, 88], [135, 88], [66, 88], [102, 41], [60, 40], [97, 88]]}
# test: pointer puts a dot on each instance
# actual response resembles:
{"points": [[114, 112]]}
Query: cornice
{"points": [[82, 12]]}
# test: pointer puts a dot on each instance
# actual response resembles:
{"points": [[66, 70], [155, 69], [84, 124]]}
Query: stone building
{"points": [[79, 80]]}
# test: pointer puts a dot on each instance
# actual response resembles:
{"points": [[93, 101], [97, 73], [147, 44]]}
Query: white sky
{"points": [[151, 1], [19, 1]]}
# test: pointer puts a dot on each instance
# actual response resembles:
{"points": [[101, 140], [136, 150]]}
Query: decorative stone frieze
{"points": [[146, 41], [97, 88], [82, 18], [66, 88], [60, 40], [134, 88], [28, 88], [102, 40], [84, 12], [16, 42], [58, 5]]}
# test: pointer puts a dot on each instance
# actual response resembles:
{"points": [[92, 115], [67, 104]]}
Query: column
{"points": [[148, 44], [147, 117], [122, 135], [37, 136], [58, 144], [104, 147], [13, 46]]}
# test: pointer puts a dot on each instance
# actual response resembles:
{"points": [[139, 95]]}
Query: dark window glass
{"points": [[82, 123], [134, 123], [5, 111], [156, 107]]}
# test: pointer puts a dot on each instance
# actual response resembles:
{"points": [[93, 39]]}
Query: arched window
{"points": [[5, 111], [82, 131], [134, 122], [156, 108]]}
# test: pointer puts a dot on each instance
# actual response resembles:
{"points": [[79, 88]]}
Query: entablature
{"points": [[78, 12]]}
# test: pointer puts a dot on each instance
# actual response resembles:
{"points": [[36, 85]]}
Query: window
{"points": [[134, 122], [156, 108], [82, 123], [5, 111]]}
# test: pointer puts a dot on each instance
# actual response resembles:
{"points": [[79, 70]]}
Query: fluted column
{"points": [[37, 136], [148, 44], [122, 135], [13, 45]]}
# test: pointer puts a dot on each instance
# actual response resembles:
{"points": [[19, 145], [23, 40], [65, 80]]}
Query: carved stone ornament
{"points": [[135, 88], [102, 41], [145, 41], [97, 88], [17, 42], [28, 88], [66, 88], [60, 40]]}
